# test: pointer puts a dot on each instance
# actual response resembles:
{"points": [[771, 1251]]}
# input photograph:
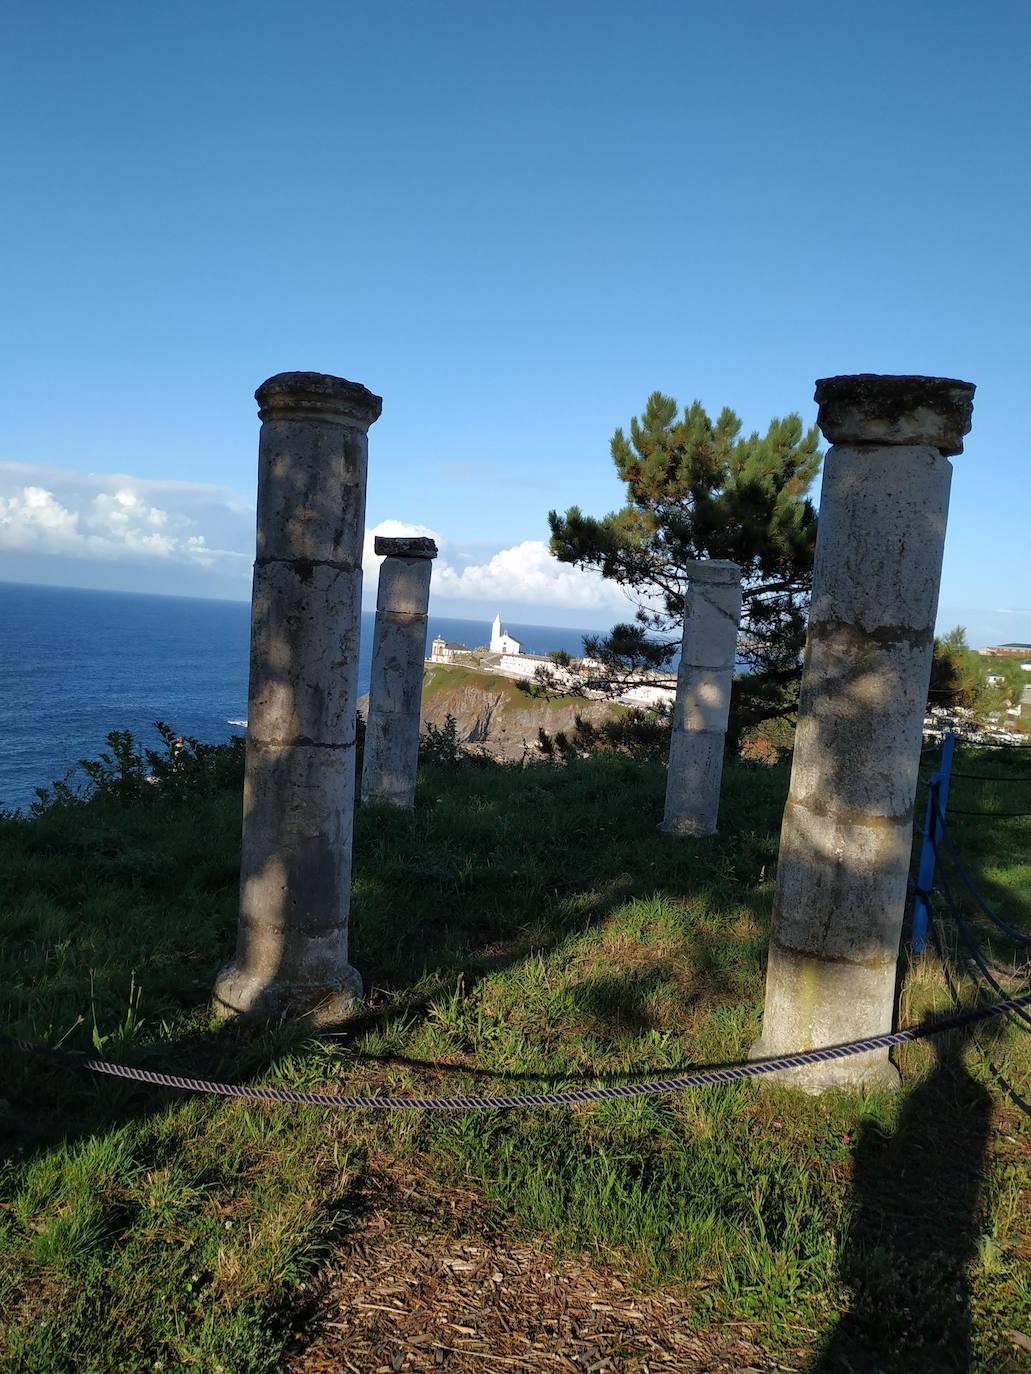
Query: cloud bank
{"points": [[116, 517], [525, 573], [202, 536]]}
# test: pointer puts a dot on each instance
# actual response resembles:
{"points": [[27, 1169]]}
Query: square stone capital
{"points": [[715, 570], [404, 546], [872, 409]]}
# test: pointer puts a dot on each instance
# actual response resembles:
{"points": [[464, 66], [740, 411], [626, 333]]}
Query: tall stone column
{"points": [[712, 614], [295, 879], [847, 832], [391, 758]]}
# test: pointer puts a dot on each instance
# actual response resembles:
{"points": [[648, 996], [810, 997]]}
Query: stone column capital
{"points": [[869, 408], [404, 546], [317, 396], [719, 571]]}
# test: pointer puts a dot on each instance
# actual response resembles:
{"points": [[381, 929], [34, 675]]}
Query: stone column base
{"points": [[260, 998], [813, 1003], [872, 1072], [687, 825]]}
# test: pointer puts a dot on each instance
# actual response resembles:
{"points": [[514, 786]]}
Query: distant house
{"points": [[447, 651], [1012, 651]]}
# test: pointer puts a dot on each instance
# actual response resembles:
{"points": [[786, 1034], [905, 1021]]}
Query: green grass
{"points": [[442, 680], [523, 928]]}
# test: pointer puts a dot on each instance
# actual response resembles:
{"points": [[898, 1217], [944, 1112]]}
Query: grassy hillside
{"points": [[523, 928], [447, 680]]}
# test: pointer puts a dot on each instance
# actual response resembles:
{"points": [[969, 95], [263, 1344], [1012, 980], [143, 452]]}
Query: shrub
{"points": [[636, 733], [440, 746], [185, 768]]}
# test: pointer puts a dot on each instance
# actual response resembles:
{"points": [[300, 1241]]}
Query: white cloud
{"points": [[525, 572], [116, 517]]}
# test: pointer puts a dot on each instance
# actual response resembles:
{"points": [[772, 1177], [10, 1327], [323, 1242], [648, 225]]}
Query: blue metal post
{"points": [[937, 800]]}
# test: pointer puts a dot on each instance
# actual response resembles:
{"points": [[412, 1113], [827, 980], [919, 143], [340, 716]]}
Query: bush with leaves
{"points": [[440, 746], [636, 733], [122, 775]]}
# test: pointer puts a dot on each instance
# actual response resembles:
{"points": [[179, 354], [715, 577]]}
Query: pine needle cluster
{"points": [[697, 489]]}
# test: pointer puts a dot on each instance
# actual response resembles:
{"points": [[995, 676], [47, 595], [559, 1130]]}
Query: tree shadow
{"points": [[913, 1233]]}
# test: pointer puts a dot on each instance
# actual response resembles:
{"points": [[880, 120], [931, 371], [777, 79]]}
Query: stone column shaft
{"points": [[847, 832], [295, 878], [391, 758], [712, 615]]}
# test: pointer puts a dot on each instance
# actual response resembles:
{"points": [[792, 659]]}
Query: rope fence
{"points": [[935, 835], [568, 1097]]}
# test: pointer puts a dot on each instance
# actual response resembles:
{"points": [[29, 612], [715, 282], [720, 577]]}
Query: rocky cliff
{"points": [[493, 714]]}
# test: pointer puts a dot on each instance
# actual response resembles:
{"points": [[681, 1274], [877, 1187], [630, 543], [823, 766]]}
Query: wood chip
{"points": [[463, 1305]]}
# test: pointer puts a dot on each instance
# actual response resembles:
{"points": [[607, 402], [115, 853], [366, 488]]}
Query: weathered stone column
{"points": [[391, 758], [712, 614], [847, 832], [295, 879]]}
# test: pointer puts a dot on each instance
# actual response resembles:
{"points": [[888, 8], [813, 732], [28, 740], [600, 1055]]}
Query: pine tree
{"points": [[698, 489]]}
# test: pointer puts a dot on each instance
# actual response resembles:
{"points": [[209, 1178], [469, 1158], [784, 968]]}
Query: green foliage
{"points": [[185, 768], [959, 679], [958, 674], [1014, 680], [636, 733], [698, 489], [440, 746]]}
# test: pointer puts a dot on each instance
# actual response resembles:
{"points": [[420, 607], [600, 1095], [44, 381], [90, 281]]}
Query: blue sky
{"points": [[513, 222]]}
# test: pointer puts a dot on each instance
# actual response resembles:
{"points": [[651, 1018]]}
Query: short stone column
{"points": [[712, 614], [298, 805], [391, 759], [847, 832]]}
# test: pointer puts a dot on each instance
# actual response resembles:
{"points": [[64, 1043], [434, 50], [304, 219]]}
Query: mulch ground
{"points": [[401, 1302]]}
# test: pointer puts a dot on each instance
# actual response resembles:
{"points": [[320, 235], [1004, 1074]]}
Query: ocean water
{"points": [[76, 664]]}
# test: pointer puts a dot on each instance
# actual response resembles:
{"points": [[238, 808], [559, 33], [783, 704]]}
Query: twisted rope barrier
{"points": [[566, 1097]]}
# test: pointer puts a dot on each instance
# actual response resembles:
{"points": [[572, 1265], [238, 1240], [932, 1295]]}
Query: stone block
{"points": [[304, 654], [693, 782], [841, 885], [404, 586], [703, 700], [311, 493], [878, 563]]}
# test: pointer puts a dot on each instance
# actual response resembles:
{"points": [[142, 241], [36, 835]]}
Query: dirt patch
{"points": [[403, 1302]]}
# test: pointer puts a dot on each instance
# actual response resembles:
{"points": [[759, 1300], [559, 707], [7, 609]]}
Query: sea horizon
{"points": [[76, 663]]}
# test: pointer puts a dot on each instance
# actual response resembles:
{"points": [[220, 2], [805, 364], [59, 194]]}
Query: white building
{"points": [[646, 695], [447, 651], [500, 641], [522, 665]]}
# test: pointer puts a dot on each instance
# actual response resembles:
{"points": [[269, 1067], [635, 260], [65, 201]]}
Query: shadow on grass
{"points": [[914, 1228], [496, 865]]}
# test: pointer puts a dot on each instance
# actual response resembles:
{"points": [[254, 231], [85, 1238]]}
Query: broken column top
{"points": [[317, 396], [712, 570], [405, 546], [872, 409]]}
